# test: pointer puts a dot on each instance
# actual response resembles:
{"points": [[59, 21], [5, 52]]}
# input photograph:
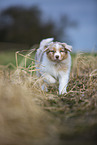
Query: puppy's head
{"points": [[57, 51]]}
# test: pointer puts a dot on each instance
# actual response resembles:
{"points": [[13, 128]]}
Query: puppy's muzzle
{"points": [[57, 56]]}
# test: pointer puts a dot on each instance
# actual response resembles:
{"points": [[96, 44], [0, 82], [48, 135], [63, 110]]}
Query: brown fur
{"points": [[52, 50]]}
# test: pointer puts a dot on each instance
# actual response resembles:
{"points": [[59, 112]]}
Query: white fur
{"points": [[52, 70]]}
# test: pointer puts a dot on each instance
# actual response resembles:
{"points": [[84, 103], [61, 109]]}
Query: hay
{"points": [[66, 119], [22, 122]]}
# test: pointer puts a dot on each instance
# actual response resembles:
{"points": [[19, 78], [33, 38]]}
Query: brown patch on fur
{"points": [[64, 53], [52, 50]]}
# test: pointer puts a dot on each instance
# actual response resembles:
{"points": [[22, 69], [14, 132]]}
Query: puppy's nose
{"points": [[57, 56]]}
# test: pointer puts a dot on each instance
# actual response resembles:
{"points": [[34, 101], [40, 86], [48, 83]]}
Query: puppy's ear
{"points": [[67, 47]]}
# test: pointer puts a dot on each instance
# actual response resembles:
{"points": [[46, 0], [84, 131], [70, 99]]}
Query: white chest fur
{"points": [[55, 68]]}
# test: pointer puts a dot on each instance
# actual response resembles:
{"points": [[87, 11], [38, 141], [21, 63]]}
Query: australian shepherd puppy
{"points": [[54, 61]]}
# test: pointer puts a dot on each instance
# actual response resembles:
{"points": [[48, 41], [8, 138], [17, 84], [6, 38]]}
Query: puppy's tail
{"points": [[45, 42], [40, 50]]}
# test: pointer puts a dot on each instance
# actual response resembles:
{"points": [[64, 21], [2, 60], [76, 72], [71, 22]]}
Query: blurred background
{"points": [[24, 23]]}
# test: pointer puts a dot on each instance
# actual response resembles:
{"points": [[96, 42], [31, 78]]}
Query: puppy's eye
{"points": [[52, 51], [61, 50]]}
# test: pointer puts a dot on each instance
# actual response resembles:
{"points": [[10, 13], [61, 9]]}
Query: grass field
{"points": [[69, 119], [7, 57]]}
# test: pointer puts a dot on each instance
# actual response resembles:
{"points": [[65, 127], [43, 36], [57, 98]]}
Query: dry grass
{"points": [[31, 116], [22, 122]]}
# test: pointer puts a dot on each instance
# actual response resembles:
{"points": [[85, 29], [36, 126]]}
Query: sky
{"points": [[84, 12]]}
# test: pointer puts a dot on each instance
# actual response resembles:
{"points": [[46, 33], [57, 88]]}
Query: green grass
{"points": [[7, 57]]}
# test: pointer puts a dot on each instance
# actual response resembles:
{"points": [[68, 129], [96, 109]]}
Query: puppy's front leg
{"points": [[48, 79], [63, 81]]}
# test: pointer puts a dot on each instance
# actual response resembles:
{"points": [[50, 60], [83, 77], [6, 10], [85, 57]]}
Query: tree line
{"points": [[23, 25]]}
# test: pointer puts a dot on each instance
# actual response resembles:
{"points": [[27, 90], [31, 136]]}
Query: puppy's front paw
{"points": [[63, 91], [44, 88]]}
